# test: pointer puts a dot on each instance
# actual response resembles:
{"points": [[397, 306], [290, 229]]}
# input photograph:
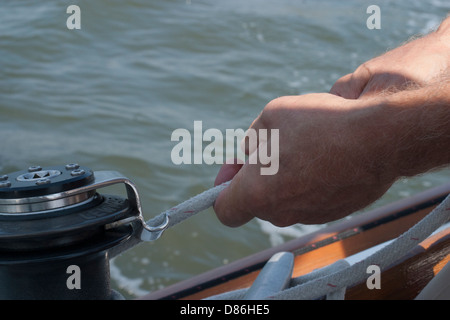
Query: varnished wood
{"points": [[406, 279], [326, 255], [324, 247]]}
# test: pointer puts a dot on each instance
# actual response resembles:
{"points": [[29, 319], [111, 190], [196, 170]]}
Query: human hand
{"points": [[413, 64], [329, 164], [338, 154]]}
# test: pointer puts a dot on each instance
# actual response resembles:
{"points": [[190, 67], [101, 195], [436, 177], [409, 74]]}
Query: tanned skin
{"points": [[341, 151]]}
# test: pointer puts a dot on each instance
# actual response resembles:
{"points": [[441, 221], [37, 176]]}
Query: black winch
{"points": [[57, 233]]}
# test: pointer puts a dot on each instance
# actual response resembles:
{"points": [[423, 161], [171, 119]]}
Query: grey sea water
{"points": [[109, 95]]}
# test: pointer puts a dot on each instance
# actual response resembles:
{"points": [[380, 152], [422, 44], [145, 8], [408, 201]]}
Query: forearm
{"points": [[420, 128], [340, 152], [444, 28]]}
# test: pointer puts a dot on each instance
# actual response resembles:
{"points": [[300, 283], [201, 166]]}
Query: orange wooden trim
{"points": [[406, 279], [308, 257], [326, 255]]}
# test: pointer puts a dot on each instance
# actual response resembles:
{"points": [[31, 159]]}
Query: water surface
{"points": [[109, 96]]}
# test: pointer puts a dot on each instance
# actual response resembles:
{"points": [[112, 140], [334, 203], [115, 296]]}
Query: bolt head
{"points": [[5, 184], [78, 172], [34, 168], [42, 181], [72, 166]]}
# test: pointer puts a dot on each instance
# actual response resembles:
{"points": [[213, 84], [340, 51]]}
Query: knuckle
{"points": [[363, 71]]}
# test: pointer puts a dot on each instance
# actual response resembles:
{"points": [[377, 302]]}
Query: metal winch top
{"points": [[53, 217], [36, 190], [50, 207]]}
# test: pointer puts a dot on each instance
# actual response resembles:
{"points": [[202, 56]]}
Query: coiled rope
{"points": [[335, 279]]}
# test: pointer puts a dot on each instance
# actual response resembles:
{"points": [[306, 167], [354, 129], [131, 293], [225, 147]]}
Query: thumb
{"points": [[351, 85], [230, 204]]}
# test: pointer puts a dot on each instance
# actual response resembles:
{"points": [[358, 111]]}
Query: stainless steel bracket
{"points": [[104, 179]]}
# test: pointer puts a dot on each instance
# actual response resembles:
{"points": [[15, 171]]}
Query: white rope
{"points": [[335, 281], [383, 258], [189, 207], [335, 295], [325, 281]]}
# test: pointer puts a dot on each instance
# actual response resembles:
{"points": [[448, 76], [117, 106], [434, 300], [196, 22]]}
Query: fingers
{"points": [[230, 206], [235, 204], [227, 172], [340, 87], [352, 85], [251, 140]]}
